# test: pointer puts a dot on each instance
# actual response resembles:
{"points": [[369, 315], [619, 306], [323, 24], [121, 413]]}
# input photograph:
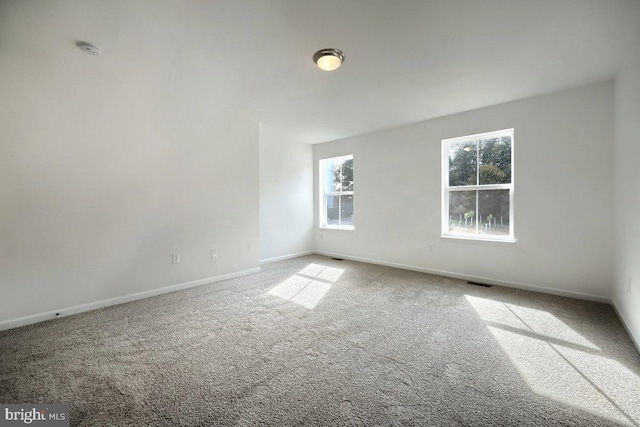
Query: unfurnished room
{"points": [[319, 212]]}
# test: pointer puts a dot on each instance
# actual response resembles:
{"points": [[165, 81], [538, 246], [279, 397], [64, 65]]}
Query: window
{"points": [[336, 192], [477, 186]]}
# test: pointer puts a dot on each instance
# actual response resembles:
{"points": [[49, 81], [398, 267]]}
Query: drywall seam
{"points": [[523, 286], [68, 311], [283, 257], [634, 339]]}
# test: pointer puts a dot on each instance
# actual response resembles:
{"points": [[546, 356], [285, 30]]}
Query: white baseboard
{"points": [[487, 280], [68, 311], [633, 337], [283, 257]]}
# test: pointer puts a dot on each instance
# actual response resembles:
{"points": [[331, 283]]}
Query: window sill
{"points": [[328, 227], [479, 239]]}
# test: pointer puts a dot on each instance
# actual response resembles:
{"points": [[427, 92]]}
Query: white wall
{"points": [[286, 196], [563, 181], [627, 192], [102, 180]]}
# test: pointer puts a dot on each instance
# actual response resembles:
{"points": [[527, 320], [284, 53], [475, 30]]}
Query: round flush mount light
{"points": [[328, 59], [88, 48]]}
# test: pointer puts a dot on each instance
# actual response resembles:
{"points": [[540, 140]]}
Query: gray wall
{"points": [[101, 181], [627, 192], [563, 200], [286, 188]]}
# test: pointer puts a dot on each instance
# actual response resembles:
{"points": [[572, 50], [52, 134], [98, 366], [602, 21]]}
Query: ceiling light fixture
{"points": [[88, 48], [328, 59]]}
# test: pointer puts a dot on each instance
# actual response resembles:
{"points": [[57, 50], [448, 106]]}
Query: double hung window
{"points": [[336, 192], [477, 186]]}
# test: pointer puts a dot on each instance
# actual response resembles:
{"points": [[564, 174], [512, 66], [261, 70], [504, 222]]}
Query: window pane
{"points": [[333, 210], [463, 163], [347, 175], [338, 175], [495, 160], [346, 206], [462, 206], [339, 210], [332, 175], [493, 207]]}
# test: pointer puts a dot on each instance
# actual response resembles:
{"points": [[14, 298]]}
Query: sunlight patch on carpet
{"points": [[308, 286], [559, 363]]}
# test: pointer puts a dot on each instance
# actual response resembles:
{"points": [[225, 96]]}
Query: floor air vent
{"points": [[484, 285]]}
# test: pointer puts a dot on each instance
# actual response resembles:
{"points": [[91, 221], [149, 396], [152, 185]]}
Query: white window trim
{"points": [[446, 189], [323, 196]]}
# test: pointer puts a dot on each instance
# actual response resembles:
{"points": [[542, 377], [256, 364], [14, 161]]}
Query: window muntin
{"points": [[336, 192], [477, 190]]}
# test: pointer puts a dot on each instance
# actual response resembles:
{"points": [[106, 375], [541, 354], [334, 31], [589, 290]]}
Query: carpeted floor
{"points": [[316, 341]]}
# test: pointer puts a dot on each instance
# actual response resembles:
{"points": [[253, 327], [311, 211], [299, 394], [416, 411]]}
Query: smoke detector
{"points": [[88, 48]]}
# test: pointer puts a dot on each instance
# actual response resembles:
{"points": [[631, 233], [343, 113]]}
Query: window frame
{"points": [[324, 194], [447, 189]]}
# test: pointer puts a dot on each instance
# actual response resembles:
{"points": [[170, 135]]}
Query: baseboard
{"points": [[283, 257], [633, 337], [488, 280], [68, 311]]}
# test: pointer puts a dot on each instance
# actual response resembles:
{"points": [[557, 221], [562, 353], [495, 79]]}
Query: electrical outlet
{"points": [[430, 248], [214, 253], [249, 247], [175, 259]]}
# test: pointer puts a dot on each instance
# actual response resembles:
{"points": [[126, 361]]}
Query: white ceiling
{"points": [[406, 60]]}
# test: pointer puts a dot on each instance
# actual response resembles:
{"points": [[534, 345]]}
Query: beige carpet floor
{"points": [[317, 341]]}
